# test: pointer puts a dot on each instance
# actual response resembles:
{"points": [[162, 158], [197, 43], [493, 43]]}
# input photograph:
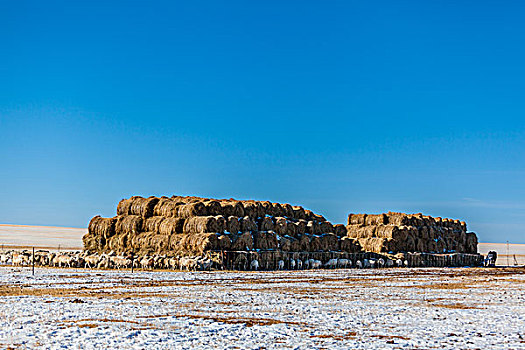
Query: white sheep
{"points": [[254, 265], [399, 263], [366, 263], [292, 264], [359, 264], [332, 263], [280, 264], [344, 263], [299, 264], [389, 263]]}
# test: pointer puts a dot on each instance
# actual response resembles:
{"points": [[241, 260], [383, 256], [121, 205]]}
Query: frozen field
{"points": [[333, 309]]}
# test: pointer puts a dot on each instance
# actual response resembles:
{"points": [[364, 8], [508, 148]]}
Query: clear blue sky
{"points": [[340, 106]]}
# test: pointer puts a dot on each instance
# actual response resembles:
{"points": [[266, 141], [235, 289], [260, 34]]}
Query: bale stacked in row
{"points": [[399, 232], [193, 225]]}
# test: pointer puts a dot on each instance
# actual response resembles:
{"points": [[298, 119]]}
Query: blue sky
{"points": [[339, 106]]}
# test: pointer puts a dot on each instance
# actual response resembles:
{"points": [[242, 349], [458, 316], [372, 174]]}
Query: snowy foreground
{"points": [[334, 309]]}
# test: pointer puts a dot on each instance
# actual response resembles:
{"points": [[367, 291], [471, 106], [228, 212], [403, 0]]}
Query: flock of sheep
{"points": [[111, 260]]}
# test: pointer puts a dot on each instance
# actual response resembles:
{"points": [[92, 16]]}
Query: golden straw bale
{"points": [[222, 224], [300, 227], [213, 207], [243, 241], [326, 227], [224, 242], [298, 213], [124, 206], [281, 225], [128, 224], [329, 242], [471, 245], [375, 219], [357, 219], [152, 224], [104, 227], [350, 245], [248, 224], [340, 230], [170, 226], [200, 224], [265, 224], [143, 206], [191, 209], [166, 207], [265, 240], [233, 225]]}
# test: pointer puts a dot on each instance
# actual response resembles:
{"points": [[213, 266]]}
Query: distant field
{"points": [[41, 236], [515, 250]]}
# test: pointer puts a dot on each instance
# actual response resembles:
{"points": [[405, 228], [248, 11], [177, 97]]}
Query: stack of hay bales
{"points": [[193, 225], [400, 232]]}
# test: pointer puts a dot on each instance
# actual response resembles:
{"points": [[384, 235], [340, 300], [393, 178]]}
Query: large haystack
{"points": [[193, 225], [400, 232]]}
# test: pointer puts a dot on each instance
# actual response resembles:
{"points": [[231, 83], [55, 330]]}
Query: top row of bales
{"points": [[190, 206], [402, 219]]}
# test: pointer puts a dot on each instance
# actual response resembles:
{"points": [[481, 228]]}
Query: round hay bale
{"points": [[423, 233], [170, 226], [326, 227], [281, 225], [238, 209], [242, 242], [313, 228], [298, 213], [340, 230], [267, 208], [104, 227], [278, 210], [375, 219], [166, 207], [233, 225], [285, 244], [124, 206], [350, 245], [290, 229], [222, 224], [224, 242], [248, 224], [213, 207], [398, 219], [191, 210], [198, 243], [250, 209], [266, 224], [226, 209], [128, 224], [143, 206], [357, 219], [90, 242], [295, 244], [300, 227], [288, 210], [304, 243], [200, 224], [329, 242], [152, 224], [431, 246], [316, 244], [265, 240], [471, 246]]}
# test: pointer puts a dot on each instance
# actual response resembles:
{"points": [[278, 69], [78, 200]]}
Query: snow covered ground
{"points": [[335, 309]]}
